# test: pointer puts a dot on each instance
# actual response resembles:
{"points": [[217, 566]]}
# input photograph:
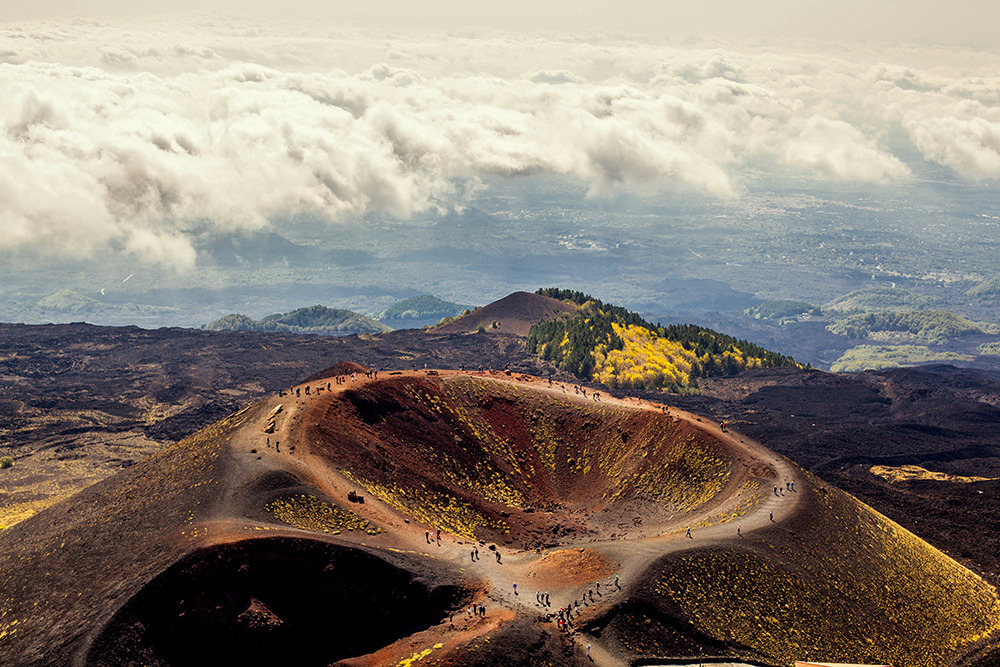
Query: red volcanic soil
{"points": [[245, 544], [570, 566], [513, 314], [519, 466]]}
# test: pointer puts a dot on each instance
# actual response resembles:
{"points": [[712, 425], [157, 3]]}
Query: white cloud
{"points": [[132, 136], [970, 146]]}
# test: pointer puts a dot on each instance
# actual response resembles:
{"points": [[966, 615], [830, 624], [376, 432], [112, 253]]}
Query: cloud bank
{"points": [[135, 137]]}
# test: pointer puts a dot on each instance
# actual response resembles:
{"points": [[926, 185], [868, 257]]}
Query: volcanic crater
{"points": [[473, 518], [524, 463]]}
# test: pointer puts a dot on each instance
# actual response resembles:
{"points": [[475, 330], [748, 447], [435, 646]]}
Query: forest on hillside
{"points": [[620, 349]]}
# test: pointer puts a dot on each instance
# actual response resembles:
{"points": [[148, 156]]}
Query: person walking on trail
{"points": [[738, 533], [515, 589], [772, 517], [722, 425], [588, 650], [617, 585], [477, 554], [689, 533], [427, 536]]}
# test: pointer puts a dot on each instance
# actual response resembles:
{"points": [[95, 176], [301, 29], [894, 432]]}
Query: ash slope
{"points": [[260, 551]]}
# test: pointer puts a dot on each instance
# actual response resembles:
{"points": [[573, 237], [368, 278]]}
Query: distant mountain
{"points": [[314, 319], [422, 307], [779, 310], [988, 289], [879, 299], [875, 357], [925, 326], [70, 304], [513, 314]]}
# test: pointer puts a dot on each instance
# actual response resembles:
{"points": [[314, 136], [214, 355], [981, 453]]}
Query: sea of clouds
{"points": [[133, 137]]}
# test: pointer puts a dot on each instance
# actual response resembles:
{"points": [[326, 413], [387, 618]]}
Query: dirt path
{"points": [[496, 579]]}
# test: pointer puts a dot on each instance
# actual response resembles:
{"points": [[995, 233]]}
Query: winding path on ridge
{"points": [[494, 581]]}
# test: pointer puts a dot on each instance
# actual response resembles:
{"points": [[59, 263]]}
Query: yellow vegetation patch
{"points": [[7, 629], [307, 512], [437, 509], [854, 586], [910, 472], [646, 360], [17, 512], [418, 656]]}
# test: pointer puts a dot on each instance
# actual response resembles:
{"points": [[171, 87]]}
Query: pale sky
{"points": [[947, 22]]}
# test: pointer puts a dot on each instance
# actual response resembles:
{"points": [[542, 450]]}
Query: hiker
{"points": [[439, 537], [722, 425], [477, 554], [689, 533], [427, 536], [772, 516], [738, 533], [498, 556], [617, 585], [547, 603], [515, 588], [472, 556], [775, 490]]}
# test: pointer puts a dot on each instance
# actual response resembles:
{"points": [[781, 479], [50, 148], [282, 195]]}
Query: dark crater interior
{"points": [[271, 601]]}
